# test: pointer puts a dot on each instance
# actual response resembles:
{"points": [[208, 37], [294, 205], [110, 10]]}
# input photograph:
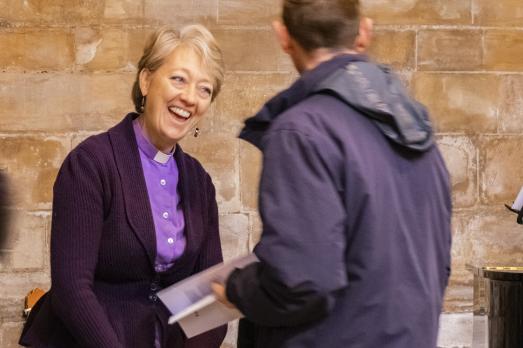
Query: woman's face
{"points": [[177, 96]]}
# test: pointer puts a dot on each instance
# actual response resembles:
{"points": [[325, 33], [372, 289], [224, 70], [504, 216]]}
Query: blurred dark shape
{"points": [[4, 212], [519, 219]]}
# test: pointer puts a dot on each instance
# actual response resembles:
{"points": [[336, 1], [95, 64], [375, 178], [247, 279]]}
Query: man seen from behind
{"points": [[354, 199]]}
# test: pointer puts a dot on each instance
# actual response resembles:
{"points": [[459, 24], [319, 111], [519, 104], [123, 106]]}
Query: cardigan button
{"points": [[155, 286], [153, 297]]}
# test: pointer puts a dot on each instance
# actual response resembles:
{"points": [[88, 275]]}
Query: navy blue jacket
{"points": [[356, 209]]}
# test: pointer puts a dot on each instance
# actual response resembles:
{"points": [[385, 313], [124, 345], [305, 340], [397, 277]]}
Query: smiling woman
{"points": [[133, 213], [178, 77]]}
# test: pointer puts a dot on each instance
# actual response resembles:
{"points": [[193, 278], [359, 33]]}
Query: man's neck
{"points": [[309, 60]]}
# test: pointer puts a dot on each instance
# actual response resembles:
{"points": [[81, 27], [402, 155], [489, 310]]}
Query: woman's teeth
{"points": [[180, 112]]}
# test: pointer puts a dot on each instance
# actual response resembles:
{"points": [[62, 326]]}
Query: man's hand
{"points": [[219, 291]]}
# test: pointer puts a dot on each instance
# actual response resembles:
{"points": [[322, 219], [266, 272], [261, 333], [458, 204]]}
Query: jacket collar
{"points": [[256, 125], [136, 199], [135, 194]]}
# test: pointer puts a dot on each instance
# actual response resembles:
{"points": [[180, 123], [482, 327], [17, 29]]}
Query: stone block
{"points": [[32, 163], [501, 169], [449, 50], [395, 48], [25, 244], [109, 49], [16, 285], [55, 11], [511, 108], [83, 11], [406, 79], [63, 102], [455, 330], [181, 12], [250, 171], [467, 103], [459, 294], [460, 156], [136, 39], [10, 333], [105, 50], [418, 11], [248, 12], [256, 228], [10, 309], [503, 50], [234, 235], [243, 95], [128, 11], [252, 50], [36, 50], [489, 237], [498, 13], [218, 153], [39, 11]]}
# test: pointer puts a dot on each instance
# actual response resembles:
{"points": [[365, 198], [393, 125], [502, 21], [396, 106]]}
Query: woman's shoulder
{"points": [[95, 149], [97, 143]]}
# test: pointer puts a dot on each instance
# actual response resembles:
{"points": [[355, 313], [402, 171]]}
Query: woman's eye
{"points": [[177, 78], [206, 91]]}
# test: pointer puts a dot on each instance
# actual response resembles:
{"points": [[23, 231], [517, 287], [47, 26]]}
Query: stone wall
{"points": [[66, 68]]}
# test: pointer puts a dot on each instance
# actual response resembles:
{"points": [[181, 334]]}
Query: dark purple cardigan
{"points": [[103, 250]]}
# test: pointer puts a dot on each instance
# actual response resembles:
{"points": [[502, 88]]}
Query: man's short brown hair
{"points": [[322, 23]]}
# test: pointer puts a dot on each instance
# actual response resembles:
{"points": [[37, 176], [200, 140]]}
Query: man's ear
{"points": [[144, 80], [283, 36], [364, 38]]}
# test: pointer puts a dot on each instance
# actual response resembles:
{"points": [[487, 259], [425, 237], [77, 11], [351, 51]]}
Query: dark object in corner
{"points": [[519, 212], [4, 213], [504, 307]]}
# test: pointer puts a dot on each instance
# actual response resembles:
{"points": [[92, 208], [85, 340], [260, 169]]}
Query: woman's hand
{"points": [[219, 291]]}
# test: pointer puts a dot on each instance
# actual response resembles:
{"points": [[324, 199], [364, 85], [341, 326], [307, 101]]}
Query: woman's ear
{"points": [[144, 80], [364, 38]]}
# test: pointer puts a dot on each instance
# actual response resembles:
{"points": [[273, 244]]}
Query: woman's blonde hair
{"points": [[162, 42]]}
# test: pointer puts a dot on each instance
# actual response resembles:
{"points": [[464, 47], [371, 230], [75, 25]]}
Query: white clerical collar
{"points": [[149, 149], [162, 158]]}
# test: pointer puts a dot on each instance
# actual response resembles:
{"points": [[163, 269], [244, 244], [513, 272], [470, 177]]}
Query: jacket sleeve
{"points": [[211, 251], [210, 255], [77, 226], [302, 246]]}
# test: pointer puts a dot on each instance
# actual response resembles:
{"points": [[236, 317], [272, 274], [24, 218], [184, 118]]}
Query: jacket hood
{"points": [[371, 89]]}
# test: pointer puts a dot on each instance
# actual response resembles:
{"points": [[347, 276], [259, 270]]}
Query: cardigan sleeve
{"points": [[75, 238], [211, 252], [210, 255]]}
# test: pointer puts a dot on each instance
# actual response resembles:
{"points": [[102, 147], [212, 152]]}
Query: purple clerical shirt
{"points": [[161, 178]]}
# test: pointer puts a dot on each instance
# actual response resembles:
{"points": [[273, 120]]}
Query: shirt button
{"points": [[170, 241], [165, 215], [163, 182]]}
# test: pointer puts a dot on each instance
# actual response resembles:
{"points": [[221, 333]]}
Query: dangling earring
{"points": [[196, 132], [142, 105]]}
